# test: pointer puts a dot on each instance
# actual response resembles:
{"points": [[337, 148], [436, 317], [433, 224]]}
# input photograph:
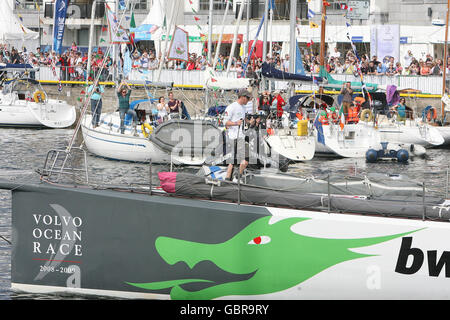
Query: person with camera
{"points": [[234, 122], [96, 104]]}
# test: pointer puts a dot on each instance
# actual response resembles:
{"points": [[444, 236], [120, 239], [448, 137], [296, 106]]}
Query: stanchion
{"points": [[423, 202], [151, 177], [329, 195], [446, 185], [239, 186]]}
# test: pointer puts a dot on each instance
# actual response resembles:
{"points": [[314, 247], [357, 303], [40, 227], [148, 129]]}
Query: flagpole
{"points": [[293, 40], [248, 32], [210, 23], [233, 45], [322, 35], [163, 56], [219, 42], [264, 57], [91, 35], [445, 63]]}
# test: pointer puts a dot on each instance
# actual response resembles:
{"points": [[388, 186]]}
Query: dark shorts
{"points": [[239, 149]]}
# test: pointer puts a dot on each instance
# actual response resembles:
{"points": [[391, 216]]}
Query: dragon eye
{"points": [[260, 240]]}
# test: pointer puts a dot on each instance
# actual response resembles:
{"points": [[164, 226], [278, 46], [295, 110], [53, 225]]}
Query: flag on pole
{"points": [[132, 26], [313, 25], [341, 118], [311, 14], [117, 33], [59, 24], [319, 128], [179, 46]]}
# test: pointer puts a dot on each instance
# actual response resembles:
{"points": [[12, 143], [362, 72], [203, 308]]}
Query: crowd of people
{"points": [[72, 62]]}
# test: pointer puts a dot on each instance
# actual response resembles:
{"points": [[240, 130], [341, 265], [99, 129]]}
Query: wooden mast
{"points": [[322, 35], [444, 64]]}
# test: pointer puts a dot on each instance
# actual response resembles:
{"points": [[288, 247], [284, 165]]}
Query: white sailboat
{"points": [[134, 144], [24, 103], [412, 132]]}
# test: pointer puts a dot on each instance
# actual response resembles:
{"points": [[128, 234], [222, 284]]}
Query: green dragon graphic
{"points": [[277, 257]]}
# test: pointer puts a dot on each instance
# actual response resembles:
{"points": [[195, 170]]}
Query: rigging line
{"points": [[2, 237], [95, 83]]}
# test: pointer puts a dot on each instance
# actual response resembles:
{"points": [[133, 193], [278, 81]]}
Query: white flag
{"points": [[179, 47], [117, 34]]}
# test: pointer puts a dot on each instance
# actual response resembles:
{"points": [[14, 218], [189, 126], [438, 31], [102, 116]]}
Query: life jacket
{"points": [[333, 117], [323, 120], [353, 114], [299, 116]]}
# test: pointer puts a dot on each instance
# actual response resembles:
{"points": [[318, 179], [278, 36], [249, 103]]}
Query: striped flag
{"points": [[311, 14], [341, 118]]}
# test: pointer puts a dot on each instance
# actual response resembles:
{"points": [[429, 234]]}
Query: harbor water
{"points": [[23, 151]]}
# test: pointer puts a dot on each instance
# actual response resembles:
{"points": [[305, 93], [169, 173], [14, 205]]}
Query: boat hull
{"points": [[445, 132], [54, 114], [411, 133], [125, 147], [121, 244], [351, 142], [294, 148]]}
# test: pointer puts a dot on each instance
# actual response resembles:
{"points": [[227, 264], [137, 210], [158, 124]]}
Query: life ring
{"points": [[366, 115], [144, 131], [431, 114], [39, 96]]}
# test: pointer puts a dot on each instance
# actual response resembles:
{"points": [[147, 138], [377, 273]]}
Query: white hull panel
{"points": [[292, 147], [412, 132], [54, 114], [107, 142], [445, 133], [352, 142]]}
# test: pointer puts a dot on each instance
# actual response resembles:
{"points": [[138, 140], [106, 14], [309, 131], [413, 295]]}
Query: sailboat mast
{"points": [[210, 24], [91, 36], [445, 62], [293, 43], [322, 35]]}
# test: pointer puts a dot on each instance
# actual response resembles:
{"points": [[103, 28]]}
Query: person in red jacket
{"points": [[280, 103]]}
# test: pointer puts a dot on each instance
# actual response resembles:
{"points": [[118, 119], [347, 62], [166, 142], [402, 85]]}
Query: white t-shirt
{"points": [[235, 112], [162, 111]]}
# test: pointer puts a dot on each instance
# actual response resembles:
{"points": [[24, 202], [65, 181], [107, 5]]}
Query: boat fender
{"points": [[371, 155], [366, 115], [402, 155], [39, 96], [147, 129]]}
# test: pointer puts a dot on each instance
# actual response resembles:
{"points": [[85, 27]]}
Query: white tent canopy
{"points": [[10, 26]]}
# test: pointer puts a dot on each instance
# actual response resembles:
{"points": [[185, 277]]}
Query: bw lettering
{"points": [[435, 266]]}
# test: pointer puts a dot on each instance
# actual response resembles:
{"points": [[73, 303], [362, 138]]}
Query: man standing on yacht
{"points": [[234, 122], [124, 93], [347, 99]]}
